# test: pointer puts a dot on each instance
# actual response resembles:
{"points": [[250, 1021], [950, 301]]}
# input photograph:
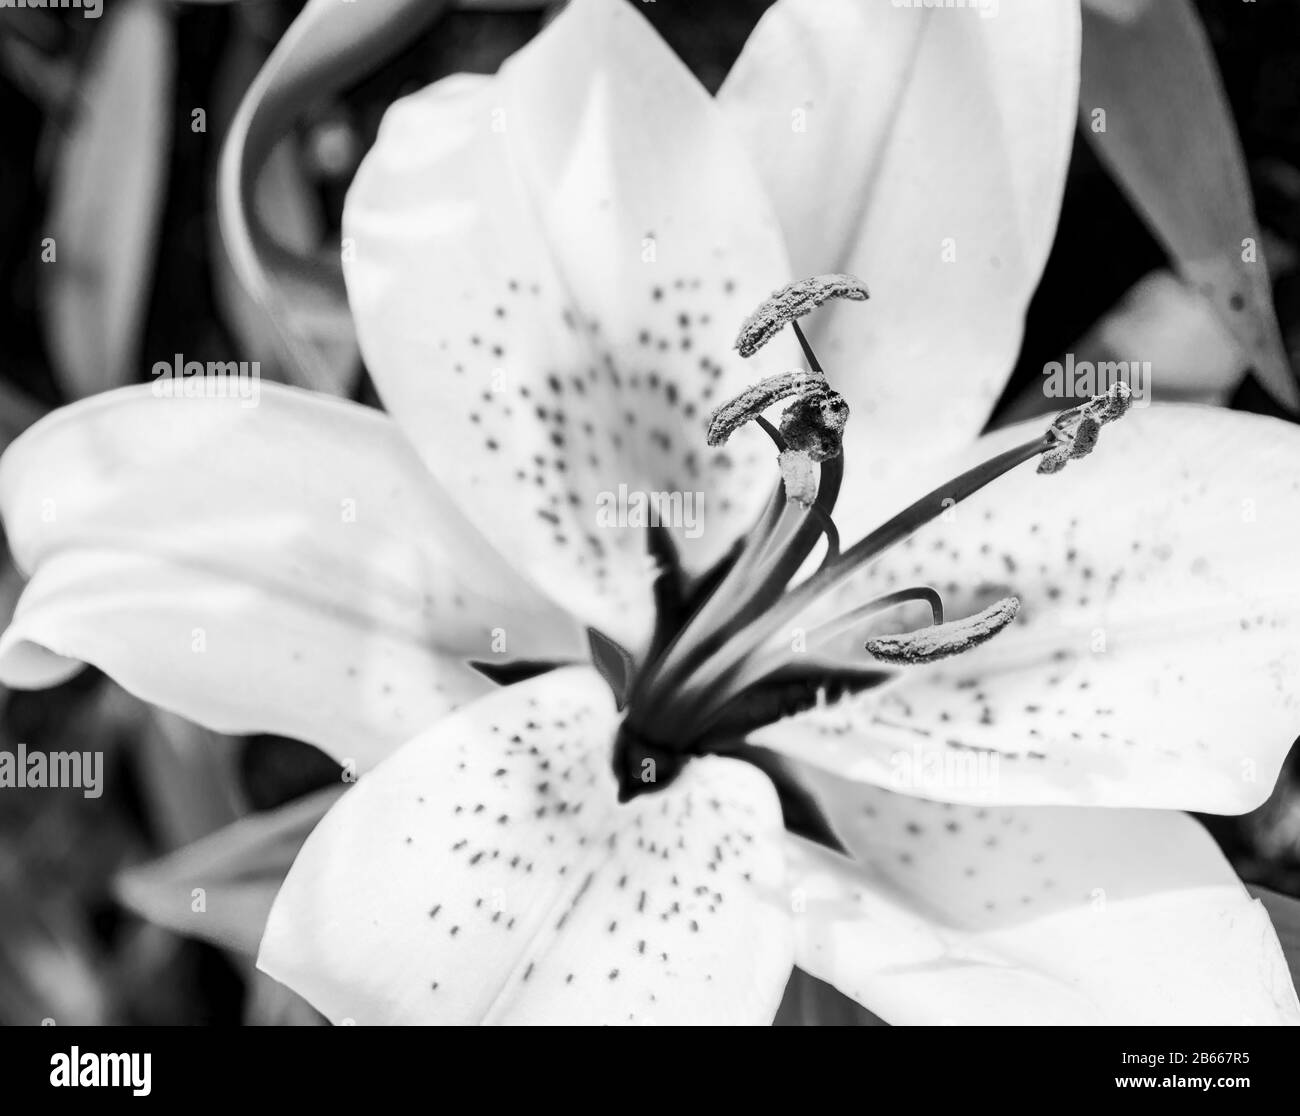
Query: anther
{"points": [[1076, 430], [929, 645], [791, 303], [751, 402], [814, 423]]}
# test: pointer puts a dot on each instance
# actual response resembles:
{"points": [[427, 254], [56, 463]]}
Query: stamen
{"points": [[940, 641], [795, 534], [744, 642], [750, 403], [811, 435], [829, 529], [812, 427], [814, 423], [791, 303], [1077, 429], [772, 432], [819, 640], [1062, 438], [725, 653], [770, 559], [808, 353], [925, 593], [810, 456]]}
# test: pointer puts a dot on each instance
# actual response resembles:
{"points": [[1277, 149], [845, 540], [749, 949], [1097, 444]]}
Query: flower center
{"points": [[711, 674]]}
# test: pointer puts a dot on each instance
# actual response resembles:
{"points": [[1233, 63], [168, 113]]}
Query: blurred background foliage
{"points": [[112, 133]]}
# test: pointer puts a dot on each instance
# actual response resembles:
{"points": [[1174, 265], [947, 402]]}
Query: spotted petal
{"points": [[1154, 661], [548, 268], [925, 151], [1032, 915], [486, 873], [284, 567]]}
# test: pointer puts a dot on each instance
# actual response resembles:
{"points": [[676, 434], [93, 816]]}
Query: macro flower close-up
{"points": [[703, 602]]}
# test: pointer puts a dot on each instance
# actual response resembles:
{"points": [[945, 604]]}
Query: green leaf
{"points": [[1170, 143]]}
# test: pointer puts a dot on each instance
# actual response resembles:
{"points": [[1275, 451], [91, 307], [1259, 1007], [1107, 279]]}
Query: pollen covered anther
{"points": [[814, 423], [1076, 430], [940, 641], [812, 428], [754, 400], [791, 303]]}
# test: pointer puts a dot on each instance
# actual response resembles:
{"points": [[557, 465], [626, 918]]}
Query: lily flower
{"points": [[734, 769]]}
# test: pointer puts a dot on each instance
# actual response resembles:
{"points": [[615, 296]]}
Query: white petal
{"points": [[550, 269], [1047, 915], [286, 567], [924, 151], [1154, 661], [486, 873]]}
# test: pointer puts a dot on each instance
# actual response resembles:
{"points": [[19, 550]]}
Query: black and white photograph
{"points": [[583, 513]]}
